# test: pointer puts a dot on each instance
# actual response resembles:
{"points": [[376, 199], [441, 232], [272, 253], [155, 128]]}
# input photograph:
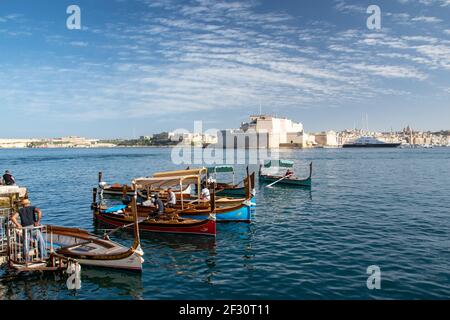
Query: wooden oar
{"points": [[285, 177], [126, 226]]}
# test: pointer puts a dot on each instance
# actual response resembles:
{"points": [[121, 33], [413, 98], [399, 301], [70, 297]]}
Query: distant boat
{"points": [[370, 142], [283, 179]]}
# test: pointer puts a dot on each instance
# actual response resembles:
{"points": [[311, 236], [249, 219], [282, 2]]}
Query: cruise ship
{"points": [[370, 142]]}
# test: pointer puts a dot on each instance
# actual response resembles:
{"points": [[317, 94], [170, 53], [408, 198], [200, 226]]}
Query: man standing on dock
{"points": [[30, 217], [8, 179]]}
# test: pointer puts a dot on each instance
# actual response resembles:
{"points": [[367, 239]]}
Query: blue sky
{"points": [[138, 66]]}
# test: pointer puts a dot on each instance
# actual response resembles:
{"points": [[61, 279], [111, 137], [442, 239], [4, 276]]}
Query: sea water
{"points": [[388, 208]]}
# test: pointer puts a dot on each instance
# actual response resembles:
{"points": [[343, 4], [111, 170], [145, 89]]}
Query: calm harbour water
{"points": [[389, 208]]}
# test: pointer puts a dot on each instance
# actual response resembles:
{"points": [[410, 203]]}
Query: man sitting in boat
{"points": [[30, 217], [205, 195], [172, 198], [158, 204], [8, 179]]}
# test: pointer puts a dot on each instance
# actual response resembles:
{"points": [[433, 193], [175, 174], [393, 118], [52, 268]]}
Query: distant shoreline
{"points": [[169, 147]]}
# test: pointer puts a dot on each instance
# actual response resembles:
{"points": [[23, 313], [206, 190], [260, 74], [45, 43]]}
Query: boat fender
{"points": [[247, 203], [102, 185], [139, 251]]}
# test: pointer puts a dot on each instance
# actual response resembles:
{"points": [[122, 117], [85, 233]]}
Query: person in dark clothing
{"points": [[8, 179], [30, 217], [159, 205]]}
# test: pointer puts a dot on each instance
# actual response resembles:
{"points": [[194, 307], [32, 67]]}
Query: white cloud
{"points": [[79, 43], [221, 55], [426, 19], [390, 71]]}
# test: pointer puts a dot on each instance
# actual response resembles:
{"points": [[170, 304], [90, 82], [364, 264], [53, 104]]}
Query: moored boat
{"points": [[176, 225], [224, 209], [91, 250], [169, 222], [230, 189]]}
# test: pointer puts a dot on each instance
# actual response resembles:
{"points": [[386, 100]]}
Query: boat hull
{"points": [[243, 213], [375, 145], [205, 227], [132, 263], [290, 182], [64, 240]]}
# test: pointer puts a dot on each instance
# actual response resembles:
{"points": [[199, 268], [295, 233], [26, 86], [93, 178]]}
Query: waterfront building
{"points": [[265, 131], [326, 139], [196, 139]]}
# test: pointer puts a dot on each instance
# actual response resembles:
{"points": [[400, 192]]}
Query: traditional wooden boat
{"points": [[91, 250], [231, 189], [119, 218], [282, 179], [170, 222], [225, 210]]}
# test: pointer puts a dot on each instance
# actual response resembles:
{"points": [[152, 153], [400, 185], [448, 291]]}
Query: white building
{"points": [[327, 139], [264, 131], [197, 139]]}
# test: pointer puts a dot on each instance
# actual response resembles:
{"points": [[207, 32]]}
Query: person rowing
{"points": [[289, 174]]}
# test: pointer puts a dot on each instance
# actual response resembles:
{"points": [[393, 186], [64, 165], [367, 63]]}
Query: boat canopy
{"points": [[180, 173], [279, 163], [220, 169], [165, 182]]}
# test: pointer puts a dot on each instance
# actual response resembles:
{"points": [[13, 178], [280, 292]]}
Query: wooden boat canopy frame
{"points": [[221, 169], [170, 181], [279, 163], [181, 173]]}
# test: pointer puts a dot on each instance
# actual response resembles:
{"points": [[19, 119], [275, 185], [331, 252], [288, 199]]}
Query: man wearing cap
{"points": [[158, 205], [8, 179], [30, 217]]}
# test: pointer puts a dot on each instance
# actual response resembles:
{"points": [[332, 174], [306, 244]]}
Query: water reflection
{"points": [[31, 286], [124, 283], [282, 191]]}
